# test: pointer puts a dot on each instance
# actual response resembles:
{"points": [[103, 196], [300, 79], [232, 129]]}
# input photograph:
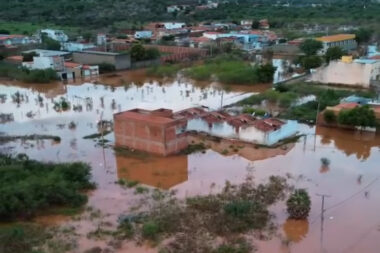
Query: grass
{"points": [[194, 148], [31, 28], [169, 70], [26, 75]]}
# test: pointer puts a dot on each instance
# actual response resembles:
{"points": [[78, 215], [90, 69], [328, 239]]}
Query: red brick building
{"points": [[155, 131]]}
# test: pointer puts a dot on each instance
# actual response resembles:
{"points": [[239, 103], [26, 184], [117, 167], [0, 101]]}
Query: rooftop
{"points": [[336, 37], [160, 116], [98, 52], [44, 52]]}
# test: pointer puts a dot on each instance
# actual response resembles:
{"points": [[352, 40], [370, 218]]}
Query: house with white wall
{"points": [[57, 35], [358, 73], [246, 128], [146, 34]]}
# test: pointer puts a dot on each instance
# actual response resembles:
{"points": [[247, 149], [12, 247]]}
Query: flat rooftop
{"points": [[44, 52], [160, 116], [336, 37], [99, 53]]}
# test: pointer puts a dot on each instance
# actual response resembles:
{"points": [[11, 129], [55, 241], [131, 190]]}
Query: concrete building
{"points": [[120, 61], [76, 46], [151, 131], [345, 41], [162, 132], [57, 35], [143, 34], [245, 128], [101, 39], [360, 73], [15, 40]]}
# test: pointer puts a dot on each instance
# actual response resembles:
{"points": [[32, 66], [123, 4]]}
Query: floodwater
{"points": [[351, 221]]}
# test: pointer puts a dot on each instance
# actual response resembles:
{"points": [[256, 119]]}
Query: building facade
{"points": [[155, 131], [345, 41], [120, 61], [360, 73]]}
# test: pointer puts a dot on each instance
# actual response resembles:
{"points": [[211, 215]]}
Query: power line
{"points": [[347, 199]]}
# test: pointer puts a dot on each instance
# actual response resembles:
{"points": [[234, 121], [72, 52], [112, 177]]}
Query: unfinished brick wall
{"points": [[152, 137]]}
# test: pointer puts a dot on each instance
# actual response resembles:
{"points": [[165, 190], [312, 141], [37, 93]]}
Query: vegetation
{"points": [[334, 53], [105, 67], [231, 70], [194, 148], [140, 53], [96, 135], [129, 14], [7, 138], [255, 111], [169, 70], [26, 75], [50, 44], [298, 204], [311, 47], [28, 187], [21, 238], [362, 116], [329, 116], [306, 112], [197, 221], [363, 35]]}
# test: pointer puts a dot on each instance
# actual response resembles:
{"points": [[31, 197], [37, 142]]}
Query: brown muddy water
{"points": [[351, 218]]}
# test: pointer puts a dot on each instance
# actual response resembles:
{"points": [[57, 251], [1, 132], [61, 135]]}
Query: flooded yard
{"points": [[350, 223]]}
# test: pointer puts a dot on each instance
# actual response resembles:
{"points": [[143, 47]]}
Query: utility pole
{"points": [[323, 196], [316, 125]]}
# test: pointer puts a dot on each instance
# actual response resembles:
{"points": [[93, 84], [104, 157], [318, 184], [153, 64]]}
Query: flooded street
{"points": [[351, 219]]}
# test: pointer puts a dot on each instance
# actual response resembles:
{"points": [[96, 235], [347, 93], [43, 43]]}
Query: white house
{"points": [[57, 35], [260, 131], [359, 72], [14, 40], [76, 46], [174, 25], [146, 34]]}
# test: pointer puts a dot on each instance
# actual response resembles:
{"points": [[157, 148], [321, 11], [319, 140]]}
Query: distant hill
{"points": [[105, 13]]}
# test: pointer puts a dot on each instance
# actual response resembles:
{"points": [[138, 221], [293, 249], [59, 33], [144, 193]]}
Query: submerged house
{"points": [[242, 127], [155, 131], [164, 132]]}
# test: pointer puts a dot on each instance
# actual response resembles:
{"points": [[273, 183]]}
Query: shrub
{"points": [[106, 67], [329, 116], [150, 230], [362, 116], [298, 204], [28, 186]]}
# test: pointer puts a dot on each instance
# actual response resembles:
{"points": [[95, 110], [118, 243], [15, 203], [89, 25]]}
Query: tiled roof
{"points": [[336, 37]]}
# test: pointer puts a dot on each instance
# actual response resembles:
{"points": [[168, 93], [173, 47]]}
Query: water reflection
{"points": [[296, 230], [350, 142], [159, 172]]}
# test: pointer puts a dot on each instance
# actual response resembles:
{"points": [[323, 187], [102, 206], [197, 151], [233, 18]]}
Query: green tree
{"points": [[298, 204], [265, 73], [362, 116], [152, 53], [311, 47], [49, 43], [137, 52], [329, 116], [334, 53], [363, 35], [311, 62]]}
